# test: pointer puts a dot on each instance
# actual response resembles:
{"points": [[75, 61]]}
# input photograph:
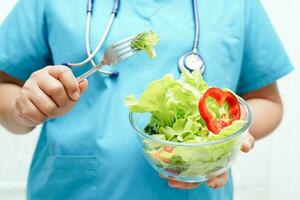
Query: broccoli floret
{"points": [[146, 42]]}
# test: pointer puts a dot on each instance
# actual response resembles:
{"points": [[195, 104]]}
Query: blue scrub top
{"points": [[92, 152]]}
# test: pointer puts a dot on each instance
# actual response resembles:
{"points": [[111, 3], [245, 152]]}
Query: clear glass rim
{"points": [[248, 120]]}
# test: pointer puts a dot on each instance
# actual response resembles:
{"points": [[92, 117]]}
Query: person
{"points": [[87, 148]]}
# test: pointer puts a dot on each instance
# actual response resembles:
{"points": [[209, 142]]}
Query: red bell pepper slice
{"points": [[216, 124], [168, 149]]}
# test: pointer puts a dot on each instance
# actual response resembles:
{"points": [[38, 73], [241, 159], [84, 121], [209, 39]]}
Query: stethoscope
{"points": [[190, 61]]}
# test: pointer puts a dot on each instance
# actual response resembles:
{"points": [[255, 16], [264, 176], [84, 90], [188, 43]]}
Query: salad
{"points": [[189, 111]]}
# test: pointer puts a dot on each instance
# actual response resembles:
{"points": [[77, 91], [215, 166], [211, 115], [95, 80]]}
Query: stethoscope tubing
{"points": [[104, 36], [197, 26], [91, 56]]}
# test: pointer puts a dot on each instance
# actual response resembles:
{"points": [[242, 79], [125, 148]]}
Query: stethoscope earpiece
{"points": [[114, 74]]}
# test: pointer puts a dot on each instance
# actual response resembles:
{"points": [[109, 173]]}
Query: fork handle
{"points": [[88, 73]]}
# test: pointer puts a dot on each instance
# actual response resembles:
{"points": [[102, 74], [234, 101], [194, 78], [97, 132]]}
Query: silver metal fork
{"points": [[115, 53]]}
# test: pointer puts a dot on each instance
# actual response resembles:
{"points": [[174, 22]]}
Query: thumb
{"points": [[83, 85]]}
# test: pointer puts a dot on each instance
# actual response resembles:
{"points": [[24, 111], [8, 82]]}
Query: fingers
{"points": [[219, 181], [42, 101], [49, 92], [182, 185], [179, 184], [27, 112], [83, 86], [215, 183], [68, 80], [248, 144], [54, 89]]}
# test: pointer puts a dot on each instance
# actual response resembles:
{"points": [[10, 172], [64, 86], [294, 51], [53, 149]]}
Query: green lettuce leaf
{"points": [[173, 105]]}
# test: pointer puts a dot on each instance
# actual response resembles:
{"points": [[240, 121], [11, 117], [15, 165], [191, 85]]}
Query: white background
{"points": [[269, 172]]}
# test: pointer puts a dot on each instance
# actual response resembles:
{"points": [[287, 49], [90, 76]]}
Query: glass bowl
{"points": [[190, 162]]}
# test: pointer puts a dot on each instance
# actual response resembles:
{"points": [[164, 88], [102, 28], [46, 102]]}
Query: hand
{"points": [[49, 92], [216, 182]]}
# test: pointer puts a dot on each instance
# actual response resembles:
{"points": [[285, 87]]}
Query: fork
{"points": [[114, 54]]}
